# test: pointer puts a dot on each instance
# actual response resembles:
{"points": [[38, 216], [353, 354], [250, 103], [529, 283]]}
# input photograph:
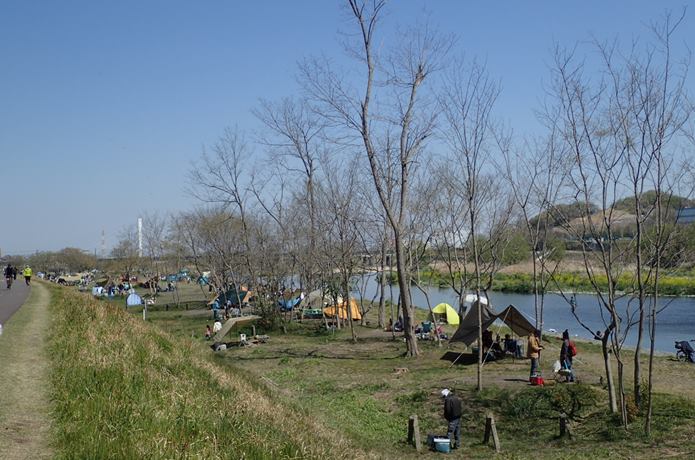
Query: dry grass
{"points": [[24, 407]]}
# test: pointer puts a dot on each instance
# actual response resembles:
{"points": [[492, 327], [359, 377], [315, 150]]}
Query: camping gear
{"points": [[220, 331], [446, 312], [290, 299], [231, 295], [318, 299], [513, 318], [340, 310], [442, 445], [537, 380], [684, 352], [133, 299]]}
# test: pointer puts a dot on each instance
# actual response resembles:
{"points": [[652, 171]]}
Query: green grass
{"points": [[354, 389], [122, 388], [522, 283]]}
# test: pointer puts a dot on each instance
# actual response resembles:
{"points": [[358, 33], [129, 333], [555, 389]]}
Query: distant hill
{"points": [[648, 200]]}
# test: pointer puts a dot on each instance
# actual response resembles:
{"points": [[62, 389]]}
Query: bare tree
{"points": [[535, 176], [395, 105], [295, 138], [466, 102], [223, 178]]}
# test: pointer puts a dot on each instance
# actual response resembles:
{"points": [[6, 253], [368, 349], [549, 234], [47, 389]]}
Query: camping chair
{"points": [[426, 330]]}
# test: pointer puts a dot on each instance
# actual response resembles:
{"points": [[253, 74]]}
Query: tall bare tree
{"points": [[466, 102], [394, 106]]}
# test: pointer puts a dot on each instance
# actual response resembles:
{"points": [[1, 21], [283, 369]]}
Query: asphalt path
{"points": [[12, 299]]}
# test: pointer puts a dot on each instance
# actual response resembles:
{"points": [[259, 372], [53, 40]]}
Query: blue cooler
{"points": [[442, 445]]}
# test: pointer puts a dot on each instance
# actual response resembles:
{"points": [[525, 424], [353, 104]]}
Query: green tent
{"points": [[447, 312]]}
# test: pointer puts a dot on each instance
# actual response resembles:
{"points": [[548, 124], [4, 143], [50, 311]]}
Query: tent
{"points": [[133, 299], [231, 295], [342, 311], [290, 299], [511, 316], [447, 312], [318, 299]]}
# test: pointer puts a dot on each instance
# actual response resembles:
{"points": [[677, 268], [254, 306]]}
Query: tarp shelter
{"points": [[447, 312], [133, 299], [231, 295], [342, 311], [513, 318]]}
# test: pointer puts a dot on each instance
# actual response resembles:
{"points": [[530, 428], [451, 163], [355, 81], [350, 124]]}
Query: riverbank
{"points": [[569, 282]]}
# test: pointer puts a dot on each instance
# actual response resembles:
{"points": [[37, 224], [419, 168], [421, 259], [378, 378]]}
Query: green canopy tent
{"points": [[446, 312]]}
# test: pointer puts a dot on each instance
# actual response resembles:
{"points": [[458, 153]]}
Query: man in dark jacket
{"points": [[452, 413]]}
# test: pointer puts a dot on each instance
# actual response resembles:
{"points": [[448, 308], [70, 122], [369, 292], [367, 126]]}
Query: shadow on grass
{"points": [[461, 359]]}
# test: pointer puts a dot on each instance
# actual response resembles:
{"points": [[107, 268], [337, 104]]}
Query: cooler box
{"points": [[442, 445], [537, 380]]}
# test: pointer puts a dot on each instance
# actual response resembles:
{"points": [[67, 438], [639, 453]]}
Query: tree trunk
{"points": [[406, 307], [612, 403], [382, 286]]}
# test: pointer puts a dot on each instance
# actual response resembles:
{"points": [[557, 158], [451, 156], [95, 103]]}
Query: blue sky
{"points": [[104, 105]]}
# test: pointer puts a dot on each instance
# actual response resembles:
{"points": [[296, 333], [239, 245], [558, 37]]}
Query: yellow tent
{"points": [[446, 310], [342, 311]]}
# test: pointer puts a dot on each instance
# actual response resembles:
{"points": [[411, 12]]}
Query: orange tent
{"points": [[342, 311]]}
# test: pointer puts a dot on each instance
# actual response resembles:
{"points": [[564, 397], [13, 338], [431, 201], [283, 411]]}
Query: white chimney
{"points": [[139, 236]]}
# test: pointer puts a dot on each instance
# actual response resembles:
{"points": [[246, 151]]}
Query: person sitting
{"points": [[487, 340], [512, 346], [398, 327], [496, 348]]}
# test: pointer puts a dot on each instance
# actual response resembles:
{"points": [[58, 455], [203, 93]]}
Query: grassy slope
{"points": [[24, 407], [125, 389], [354, 388]]}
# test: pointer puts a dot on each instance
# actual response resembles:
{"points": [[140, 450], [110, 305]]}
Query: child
{"points": [[208, 332]]}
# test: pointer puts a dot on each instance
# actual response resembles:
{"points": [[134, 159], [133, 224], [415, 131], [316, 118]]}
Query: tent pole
{"points": [[457, 358]]}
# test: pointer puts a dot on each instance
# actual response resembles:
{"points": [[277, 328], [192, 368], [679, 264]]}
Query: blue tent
{"points": [[290, 300], [133, 299]]}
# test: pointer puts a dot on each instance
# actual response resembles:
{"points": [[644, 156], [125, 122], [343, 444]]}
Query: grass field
{"points": [[127, 388], [357, 389]]}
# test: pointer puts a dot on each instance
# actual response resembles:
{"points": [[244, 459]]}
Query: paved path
{"points": [[24, 403], [12, 299]]}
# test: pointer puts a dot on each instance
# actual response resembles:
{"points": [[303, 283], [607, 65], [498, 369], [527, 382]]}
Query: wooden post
{"points": [[565, 427], [414, 432], [490, 428]]}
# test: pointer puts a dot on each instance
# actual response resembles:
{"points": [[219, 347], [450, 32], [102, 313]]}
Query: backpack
{"points": [[572, 349]]}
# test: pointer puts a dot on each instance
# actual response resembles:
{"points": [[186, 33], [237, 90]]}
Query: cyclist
{"points": [[9, 275]]}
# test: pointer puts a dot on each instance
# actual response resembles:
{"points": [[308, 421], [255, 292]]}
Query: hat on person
{"points": [[445, 392]]}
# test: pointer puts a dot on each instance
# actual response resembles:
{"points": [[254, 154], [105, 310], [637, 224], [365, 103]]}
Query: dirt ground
{"points": [[24, 404]]}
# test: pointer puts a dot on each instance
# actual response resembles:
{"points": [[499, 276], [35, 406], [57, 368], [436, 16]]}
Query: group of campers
{"points": [[452, 403]]}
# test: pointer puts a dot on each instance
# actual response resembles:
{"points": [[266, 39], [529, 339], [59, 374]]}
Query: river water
{"points": [[675, 322]]}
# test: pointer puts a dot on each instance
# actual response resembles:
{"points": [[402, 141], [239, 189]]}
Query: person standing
{"points": [[452, 414], [9, 274], [567, 352], [534, 351], [27, 273]]}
